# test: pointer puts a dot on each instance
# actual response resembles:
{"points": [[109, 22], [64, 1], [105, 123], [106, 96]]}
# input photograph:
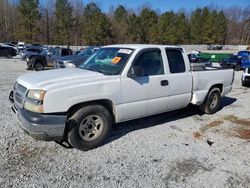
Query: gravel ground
{"points": [[167, 150]]}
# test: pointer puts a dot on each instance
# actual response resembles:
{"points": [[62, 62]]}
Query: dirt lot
{"points": [[167, 150]]}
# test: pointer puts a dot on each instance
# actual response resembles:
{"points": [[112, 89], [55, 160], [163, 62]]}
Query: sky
{"points": [[167, 5]]}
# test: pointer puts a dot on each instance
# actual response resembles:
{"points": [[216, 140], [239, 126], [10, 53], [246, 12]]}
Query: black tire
{"points": [[237, 67], [38, 66], [9, 56], [212, 102], [243, 83], [79, 137]]}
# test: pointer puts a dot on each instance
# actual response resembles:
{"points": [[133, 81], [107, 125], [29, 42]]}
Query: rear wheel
{"points": [[38, 66], [9, 56], [212, 102], [89, 127], [237, 67]]}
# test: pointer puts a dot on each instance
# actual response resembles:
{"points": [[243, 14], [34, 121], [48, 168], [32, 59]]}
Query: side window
{"points": [[175, 60], [151, 62], [57, 52], [65, 52], [52, 51], [37, 51]]}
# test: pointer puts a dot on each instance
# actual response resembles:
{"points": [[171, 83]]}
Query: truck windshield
{"points": [[109, 61]]}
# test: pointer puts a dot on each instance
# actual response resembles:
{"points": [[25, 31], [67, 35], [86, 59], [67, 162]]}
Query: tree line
{"points": [[70, 22]]}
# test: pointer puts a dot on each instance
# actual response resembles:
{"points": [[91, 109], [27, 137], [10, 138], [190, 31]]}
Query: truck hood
{"points": [[52, 79]]}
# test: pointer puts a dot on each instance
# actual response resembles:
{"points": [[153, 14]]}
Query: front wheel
{"points": [[89, 127], [38, 66], [212, 102]]}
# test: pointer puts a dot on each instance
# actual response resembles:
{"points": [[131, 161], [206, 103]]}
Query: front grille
{"points": [[18, 98], [18, 87], [247, 77], [19, 94]]}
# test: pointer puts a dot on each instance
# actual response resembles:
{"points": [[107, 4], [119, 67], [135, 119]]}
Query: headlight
{"points": [[34, 101], [33, 107], [69, 65], [36, 94]]}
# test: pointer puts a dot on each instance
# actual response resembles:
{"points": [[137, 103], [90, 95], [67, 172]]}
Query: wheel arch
{"points": [[39, 60], [219, 86], [198, 97], [108, 104]]}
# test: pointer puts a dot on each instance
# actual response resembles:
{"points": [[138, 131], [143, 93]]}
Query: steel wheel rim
{"points": [[214, 101], [91, 127]]}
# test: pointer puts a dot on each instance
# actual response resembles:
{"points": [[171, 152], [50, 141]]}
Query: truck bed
{"points": [[206, 77]]}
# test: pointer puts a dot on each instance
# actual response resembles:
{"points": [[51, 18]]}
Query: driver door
{"points": [[147, 94], [52, 55]]}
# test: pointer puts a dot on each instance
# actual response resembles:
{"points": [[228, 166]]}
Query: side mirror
{"points": [[136, 72]]}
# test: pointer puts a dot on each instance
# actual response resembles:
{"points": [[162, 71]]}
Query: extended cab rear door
{"points": [[179, 77]]}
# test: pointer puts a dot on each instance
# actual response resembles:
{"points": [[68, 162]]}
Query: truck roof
{"points": [[141, 46]]}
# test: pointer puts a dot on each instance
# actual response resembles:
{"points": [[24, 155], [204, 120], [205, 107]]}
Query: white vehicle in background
{"points": [[116, 84], [245, 80], [20, 46]]}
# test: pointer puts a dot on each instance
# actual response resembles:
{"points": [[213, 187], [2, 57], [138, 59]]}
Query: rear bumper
{"points": [[47, 127]]}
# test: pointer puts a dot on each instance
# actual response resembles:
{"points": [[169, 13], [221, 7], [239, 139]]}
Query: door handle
{"points": [[164, 82]]}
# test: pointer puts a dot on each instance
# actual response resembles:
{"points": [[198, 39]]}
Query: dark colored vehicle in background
{"points": [[7, 51], [245, 79], [46, 58], [74, 60], [32, 50], [214, 47], [10, 44], [194, 58], [78, 51], [245, 55], [233, 61]]}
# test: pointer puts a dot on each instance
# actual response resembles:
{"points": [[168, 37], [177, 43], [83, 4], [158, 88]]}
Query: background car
{"points": [[195, 59], [245, 80], [10, 44], [214, 47], [30, 51], [20, 46], [46, 58], [245, 58], [233, 61], [74, 60], [7, 51]]}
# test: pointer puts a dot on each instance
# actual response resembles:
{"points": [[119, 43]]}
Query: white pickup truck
{"points": [[118, 83]]}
